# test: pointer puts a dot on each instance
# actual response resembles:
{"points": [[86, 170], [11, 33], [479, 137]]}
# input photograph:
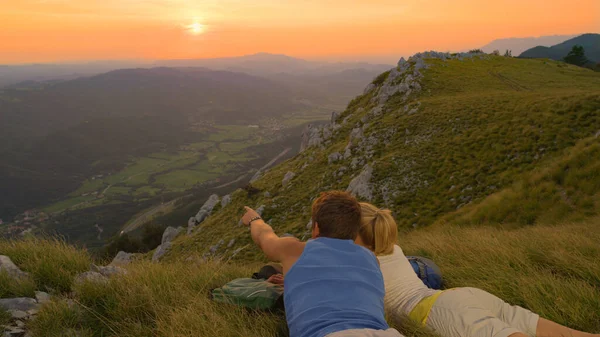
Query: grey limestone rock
{"points": [[161, 251], [336, 156], [170, 233], [19, 303], [9, 267], [91, 276], [42, 297], [108, 271], [204, 212], [311, 137], [122, 259], [360, 186], [288, 176], [401, 62], [369, 87], [225, 200]]}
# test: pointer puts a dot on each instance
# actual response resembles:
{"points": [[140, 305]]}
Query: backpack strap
{"points": [[422, 269]]}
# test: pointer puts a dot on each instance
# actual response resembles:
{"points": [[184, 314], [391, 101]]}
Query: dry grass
{"points": [[552, 270], [51, 262]]}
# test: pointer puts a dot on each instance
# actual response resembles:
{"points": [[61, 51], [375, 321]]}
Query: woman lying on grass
{"points": [[459, 312]]}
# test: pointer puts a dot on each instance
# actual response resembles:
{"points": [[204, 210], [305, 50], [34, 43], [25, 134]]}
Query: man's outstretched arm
{"points": [[275, 248]]}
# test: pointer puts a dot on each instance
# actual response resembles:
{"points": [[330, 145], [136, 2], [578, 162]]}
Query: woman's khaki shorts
{"points": [[471, 312]]}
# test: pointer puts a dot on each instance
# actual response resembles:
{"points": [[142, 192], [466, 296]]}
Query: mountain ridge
{"points": [[590, 42]]}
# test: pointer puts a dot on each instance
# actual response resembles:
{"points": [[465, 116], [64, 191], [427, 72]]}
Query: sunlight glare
{"points": [[195, 28]]}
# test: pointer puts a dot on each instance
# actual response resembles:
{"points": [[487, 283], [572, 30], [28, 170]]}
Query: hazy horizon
{"points": [[380, 31]]}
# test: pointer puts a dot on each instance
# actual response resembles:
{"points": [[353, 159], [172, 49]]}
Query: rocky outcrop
{"points": [[360, 186], [108, 271], [19, 303], [203, 213], [91, 276], [288, 176], [311, 137], [161, 251], [21, 310], [165, 245], [42, 297], [225, 200], [10, 268], [170, 233], [332, 158], [122, 259]]}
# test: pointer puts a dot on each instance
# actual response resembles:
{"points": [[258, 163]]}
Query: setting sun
{"points": [[195, 28]]}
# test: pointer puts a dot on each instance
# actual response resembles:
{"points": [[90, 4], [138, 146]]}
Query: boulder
{"points": [[14, 332], [108, 271], [336, 156], [225, 200], [208, 206], [288, 176], [122, 258], [213, 249], [369, 87], [170, 233], [8, 266], [310, 137], [91, 276], [360, 186], [348, 152], [161, 251], [356, 134], [203, 213], [42, 297], [334, 117], [401, 62], [19, 303], [18, 314]]}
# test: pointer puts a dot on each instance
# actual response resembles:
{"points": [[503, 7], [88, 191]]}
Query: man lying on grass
{"points": [[333, 287]]}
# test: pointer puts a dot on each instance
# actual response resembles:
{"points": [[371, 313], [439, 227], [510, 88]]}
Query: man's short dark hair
{"points": [[338, 215]]}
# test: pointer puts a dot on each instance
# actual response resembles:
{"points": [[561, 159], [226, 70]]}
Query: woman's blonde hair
{"points": [[378, 229]]}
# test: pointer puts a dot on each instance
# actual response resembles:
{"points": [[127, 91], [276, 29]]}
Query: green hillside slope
{"points": [[590, 42], [476, 127], [490, 165]]}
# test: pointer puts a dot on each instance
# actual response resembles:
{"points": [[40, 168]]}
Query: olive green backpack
{"points": [[250, 293]]}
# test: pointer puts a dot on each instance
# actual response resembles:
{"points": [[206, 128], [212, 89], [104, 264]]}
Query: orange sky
{"points": [[73, 30]]}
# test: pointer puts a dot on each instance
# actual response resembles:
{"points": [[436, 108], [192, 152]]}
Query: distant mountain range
{"points": [[590, 42], [519, 45], [261, 64]]}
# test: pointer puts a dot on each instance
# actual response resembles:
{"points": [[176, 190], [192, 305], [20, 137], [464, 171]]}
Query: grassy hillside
{"points": [[489, 164]]}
